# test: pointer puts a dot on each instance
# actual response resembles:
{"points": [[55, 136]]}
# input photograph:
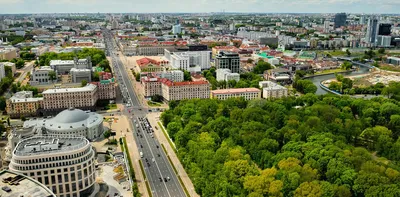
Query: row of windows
{"points": [[42, 165]]}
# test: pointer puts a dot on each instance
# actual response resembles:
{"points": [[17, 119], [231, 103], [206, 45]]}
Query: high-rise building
{"points": [[340, 19], [384, 29], [362, 20], [228, 60], [372, 30], [176, 29]]}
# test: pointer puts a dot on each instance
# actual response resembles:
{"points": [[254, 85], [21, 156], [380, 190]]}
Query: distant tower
{"points": [[340, 19], [372, 30]]}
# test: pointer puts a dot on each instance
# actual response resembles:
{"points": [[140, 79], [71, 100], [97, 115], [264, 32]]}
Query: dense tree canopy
{"points": [[305, 146]]}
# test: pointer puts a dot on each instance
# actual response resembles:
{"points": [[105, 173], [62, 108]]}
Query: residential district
{"points": [[199, 104]]}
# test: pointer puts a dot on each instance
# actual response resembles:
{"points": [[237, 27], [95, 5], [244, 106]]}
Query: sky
{"points": [[171, 6]]}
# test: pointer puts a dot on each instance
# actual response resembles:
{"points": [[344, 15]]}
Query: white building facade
{"points": [[273, 90], [66, 165], [225, 74]]}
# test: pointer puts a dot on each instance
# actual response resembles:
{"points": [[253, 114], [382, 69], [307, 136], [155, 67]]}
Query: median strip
{"points": [[145, 179]]}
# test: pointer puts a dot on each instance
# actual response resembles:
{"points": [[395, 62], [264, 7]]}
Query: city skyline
{"points": [[195, 6]]}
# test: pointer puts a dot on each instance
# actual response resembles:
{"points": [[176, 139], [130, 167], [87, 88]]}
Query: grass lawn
{"points": [[390, 68], [153, 104], [111, 106]]}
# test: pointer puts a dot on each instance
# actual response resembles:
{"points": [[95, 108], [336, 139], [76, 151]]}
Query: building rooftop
{"points": [[17, 185], [79, 70], [24, 96], [183, 83], [235, 91], [87, 88], [61, 62], [40, 145]]}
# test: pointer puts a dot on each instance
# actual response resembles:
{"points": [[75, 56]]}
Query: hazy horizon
{"points": [[198, 6]]}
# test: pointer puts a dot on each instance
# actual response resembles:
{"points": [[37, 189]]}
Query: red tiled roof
{"points": [[146, 61], [184, 83]]}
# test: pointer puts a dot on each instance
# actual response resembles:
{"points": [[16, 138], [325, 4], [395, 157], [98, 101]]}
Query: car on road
{"points": [[153, 160], [141, 154]]}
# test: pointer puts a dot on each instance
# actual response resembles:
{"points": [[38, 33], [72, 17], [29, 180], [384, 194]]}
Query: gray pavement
{"points": [[160, 168]]}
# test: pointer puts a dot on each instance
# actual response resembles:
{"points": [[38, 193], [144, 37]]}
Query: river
{"points": [[317, 79]]}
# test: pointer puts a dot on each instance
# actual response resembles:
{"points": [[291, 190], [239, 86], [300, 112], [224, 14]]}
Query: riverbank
{"points": [[329, 73]]}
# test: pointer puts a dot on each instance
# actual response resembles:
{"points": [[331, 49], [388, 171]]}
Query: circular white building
{"points": [[64, 164], [75, 122]]}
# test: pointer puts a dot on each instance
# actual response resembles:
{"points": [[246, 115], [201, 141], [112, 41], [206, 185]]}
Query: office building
{"points": [[226, 75], [71, 122], [2, 71], [383, 41], [228, 60], [273, 90], [372, 31], [63, 98], [23, 104], [192, 61], [64, 66], [246, 93], [340, 20], [42, 75], [80, 74], [184, 90], [384, 29], [18, 185], [66, 165], [176, 29]]}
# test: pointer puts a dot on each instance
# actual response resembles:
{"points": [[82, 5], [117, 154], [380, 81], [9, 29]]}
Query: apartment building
{"points": [[184, 90], [226, 75], [64, 98], [106, 89], [273, 90], [23, 104], [8, 53], [246, 93], [42, 75], [66, 165], [151, 85], [228, 60]]}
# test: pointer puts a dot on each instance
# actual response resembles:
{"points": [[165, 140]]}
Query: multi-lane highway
{"points": [[160, 175]]}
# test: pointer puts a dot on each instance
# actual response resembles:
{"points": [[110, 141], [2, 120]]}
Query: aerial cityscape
{"points": [[200, 98]]}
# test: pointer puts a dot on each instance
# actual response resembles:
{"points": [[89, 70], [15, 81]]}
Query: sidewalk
{"points": [[154, 118], [123, 124]]}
